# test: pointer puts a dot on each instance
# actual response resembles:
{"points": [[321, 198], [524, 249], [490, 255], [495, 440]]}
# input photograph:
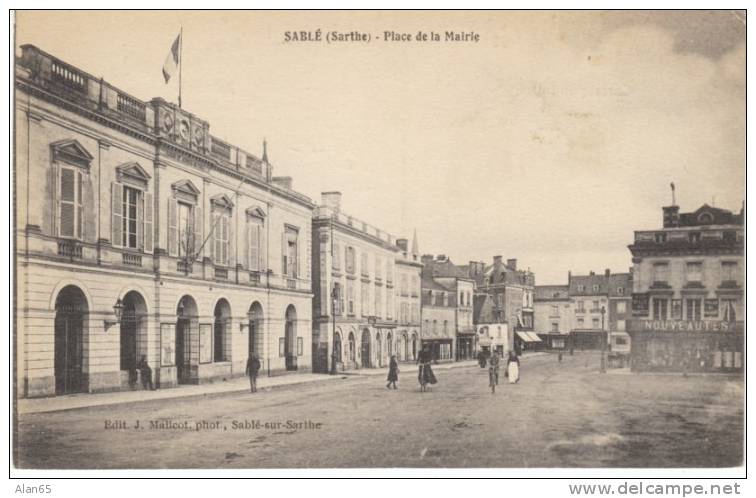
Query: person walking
{"points": [[513, 368], [253, 367], [393, 374], [493, 371]]}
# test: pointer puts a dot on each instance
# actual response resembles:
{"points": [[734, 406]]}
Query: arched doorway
{"points": [[401, 348], [365, 352], [389, 345], [379, 361], [187, 328], [255, 316], [351, 350], [290, 338], [133, 332], [70, 322], [221, 331]]}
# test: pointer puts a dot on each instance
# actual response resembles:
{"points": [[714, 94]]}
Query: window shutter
{"points": [[116, 228], [79, 210], [196, 250], [213, 241], [148, 207], [248, 246], [254, 246], [263, 248], [230, 244], [172, 227], [140, 222], [283, 253]]}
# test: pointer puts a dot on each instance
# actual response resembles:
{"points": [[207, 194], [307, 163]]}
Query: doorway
{"points": [[186, 326], [70, 321], [365, 348], [255, 316], [290, 338]]}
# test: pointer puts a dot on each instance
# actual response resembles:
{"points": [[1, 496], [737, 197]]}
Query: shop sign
{"points": [[686, 326]]}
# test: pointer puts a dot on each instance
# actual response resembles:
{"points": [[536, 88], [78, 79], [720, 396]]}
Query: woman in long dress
{"points": [[425, 373], [393, 374], [513, 368]]}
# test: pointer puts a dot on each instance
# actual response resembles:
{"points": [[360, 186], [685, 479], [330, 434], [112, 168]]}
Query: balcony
{"points": [[69, 248], [696, 284], [221, 273], [220, 149], [131, 106], [184, 267], [130, 259], [254, 278], [291, 283], [660, 284], [729, 284]]}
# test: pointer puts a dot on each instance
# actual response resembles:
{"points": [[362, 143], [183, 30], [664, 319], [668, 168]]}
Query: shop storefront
{"points": [[441, 349], [466, 346], [686, 346]]}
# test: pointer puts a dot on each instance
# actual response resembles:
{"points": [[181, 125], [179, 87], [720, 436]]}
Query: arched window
{"points": [[221, 329]]}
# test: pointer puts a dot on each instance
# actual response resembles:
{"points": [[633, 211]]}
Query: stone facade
{"points": [[140, 236], [553, 315], [358, 265], [688, 286]]}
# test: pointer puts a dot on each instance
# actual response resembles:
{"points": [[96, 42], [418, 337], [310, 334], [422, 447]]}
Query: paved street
{"points": [[559, 415]]}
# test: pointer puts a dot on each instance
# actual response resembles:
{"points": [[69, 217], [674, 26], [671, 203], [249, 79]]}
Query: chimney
{"points": [[607, 272], [592, 273], [441, 257], [671, 216], [402, 244], [282, 182], [497, 260], [331, 200], [512, 263], [426, 259]]}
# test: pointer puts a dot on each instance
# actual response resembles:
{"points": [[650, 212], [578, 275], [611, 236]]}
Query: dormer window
{"points": [[694, 237], [660, 237], [706, 218]]}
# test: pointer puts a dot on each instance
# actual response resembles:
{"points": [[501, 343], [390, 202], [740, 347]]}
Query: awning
{"points": [[524, 336], [534, 336]]}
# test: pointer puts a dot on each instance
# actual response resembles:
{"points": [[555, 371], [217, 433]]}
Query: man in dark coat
{"points": [[253, 367], [146, 373]]}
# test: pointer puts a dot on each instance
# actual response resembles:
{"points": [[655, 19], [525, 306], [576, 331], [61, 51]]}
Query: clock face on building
{"points": [[167, 122], [184, 130]]}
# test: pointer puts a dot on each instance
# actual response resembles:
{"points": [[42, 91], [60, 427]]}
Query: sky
{"points": [[550, 140]]}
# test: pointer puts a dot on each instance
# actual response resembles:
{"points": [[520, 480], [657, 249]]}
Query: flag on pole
{"points": [[172, 60]]}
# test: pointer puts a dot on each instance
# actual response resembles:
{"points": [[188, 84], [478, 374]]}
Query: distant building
{"points": [[589, 295], [354, 271], [620, 287], [553, 315], [491, 329], [688, 286], [438, 313], [444, 272], [512, 292], [408, 303]]}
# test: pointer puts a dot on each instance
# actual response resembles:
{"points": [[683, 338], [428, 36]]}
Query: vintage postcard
{"points": [[379, 240]]}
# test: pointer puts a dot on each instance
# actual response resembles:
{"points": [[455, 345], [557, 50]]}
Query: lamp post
{"points": [[334, 301], [604, 342], [117, 310]]}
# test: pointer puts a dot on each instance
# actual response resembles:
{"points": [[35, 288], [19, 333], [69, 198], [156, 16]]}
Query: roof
{"points": [[708, 215], [620, 280], [551, 292], [443, 268], [587, 282], [428, 283], [483, 309], [500, 273]]}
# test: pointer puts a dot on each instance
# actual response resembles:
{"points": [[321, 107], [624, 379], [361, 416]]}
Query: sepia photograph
{"points": [[378, 240]]}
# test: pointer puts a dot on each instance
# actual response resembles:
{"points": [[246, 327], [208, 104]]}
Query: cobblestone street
{"points": [[559, 415]]}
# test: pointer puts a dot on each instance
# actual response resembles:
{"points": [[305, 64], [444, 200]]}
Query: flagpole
{"points": [[181, 60]]}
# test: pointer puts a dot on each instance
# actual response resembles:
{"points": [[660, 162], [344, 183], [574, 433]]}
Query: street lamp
{"points": [[334, 302], [604, 342], [117, 310]]}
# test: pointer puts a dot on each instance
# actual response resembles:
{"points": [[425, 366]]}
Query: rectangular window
{"points": [[378, 302], [554, 327], [660, 309], [554, 310], [693, 271], [580, 323], [621, 307], [581, 288], [620, 325], [221, 226], [185, 229], [350, 259], [693, 309], [595, 306], [729, 272], [365, 271], [130, 219], [336, 256], [661, 272], [596, 323], [581, 306], [70, 212], [350, 297], [290, 257], [253, 244]]}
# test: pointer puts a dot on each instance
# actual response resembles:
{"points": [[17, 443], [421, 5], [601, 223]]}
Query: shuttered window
{"points": [[221, 238], [70, 205], [254, 235]]}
